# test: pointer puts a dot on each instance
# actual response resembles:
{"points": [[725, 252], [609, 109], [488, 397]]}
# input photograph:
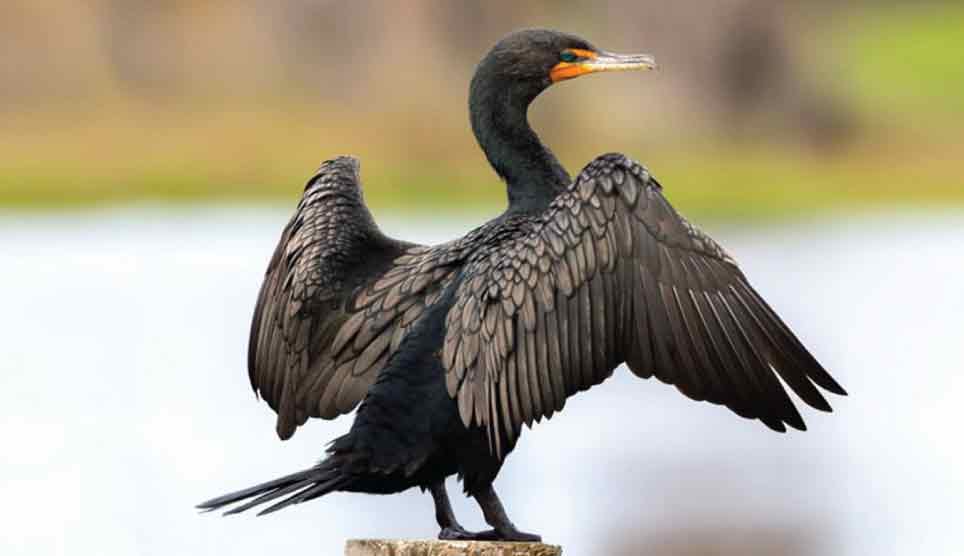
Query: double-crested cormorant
{"points": [[451, 349]]}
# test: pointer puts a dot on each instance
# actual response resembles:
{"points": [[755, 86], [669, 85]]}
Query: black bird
{"points": [[451, 349]]}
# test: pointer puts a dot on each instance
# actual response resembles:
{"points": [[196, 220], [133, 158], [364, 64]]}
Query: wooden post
{"points": [[377, 547]]}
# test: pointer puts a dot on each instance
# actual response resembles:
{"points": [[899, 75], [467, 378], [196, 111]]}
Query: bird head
{"points": [[541, 57]]}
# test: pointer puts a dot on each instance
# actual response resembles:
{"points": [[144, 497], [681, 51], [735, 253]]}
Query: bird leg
{"points": [[496, 517], [451, 529]]}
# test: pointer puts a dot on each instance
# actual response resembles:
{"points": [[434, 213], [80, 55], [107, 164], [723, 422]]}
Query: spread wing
{"points": [[337, 299], [612, 273]]}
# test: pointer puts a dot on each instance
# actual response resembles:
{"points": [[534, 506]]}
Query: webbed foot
{"points": [[458, 533], [514, 535]]}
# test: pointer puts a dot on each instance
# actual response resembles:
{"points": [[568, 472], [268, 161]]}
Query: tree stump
{"points": [[377, 547]]}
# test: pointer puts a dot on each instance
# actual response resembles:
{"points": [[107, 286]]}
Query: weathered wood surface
{"points": [[379, 547]]}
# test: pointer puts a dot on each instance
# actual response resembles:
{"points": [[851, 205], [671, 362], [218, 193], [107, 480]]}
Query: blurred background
{"points": [[151, 152]]}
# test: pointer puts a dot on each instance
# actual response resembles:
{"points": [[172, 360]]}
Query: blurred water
{"points": [[125, 401]]}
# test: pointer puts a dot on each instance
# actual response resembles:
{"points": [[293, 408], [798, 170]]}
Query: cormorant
{"points": [[451, 349]]}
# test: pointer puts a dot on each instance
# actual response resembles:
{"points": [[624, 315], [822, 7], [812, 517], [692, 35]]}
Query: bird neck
{"points": [[533, 175]]}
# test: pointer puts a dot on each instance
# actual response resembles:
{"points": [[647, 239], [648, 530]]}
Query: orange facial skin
{"points": [[568, 70]]}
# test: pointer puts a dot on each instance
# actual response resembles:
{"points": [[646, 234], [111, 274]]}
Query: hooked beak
{"points": [[602, 61]]}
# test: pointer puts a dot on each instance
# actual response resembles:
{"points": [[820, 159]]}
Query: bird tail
{"points": [[324, 478]]}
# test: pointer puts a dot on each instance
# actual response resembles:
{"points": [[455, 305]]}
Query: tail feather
{"points": [[311, 492], [271, 495], [301, 486]]}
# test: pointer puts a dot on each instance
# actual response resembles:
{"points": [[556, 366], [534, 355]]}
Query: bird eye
{"points": [[568, 56]]}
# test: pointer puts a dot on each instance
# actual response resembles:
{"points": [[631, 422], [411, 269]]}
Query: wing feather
{"points": [[610, 272], [337, 299]]}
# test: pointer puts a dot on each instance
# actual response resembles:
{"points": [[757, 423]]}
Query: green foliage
{"points": [[909, 59]]}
